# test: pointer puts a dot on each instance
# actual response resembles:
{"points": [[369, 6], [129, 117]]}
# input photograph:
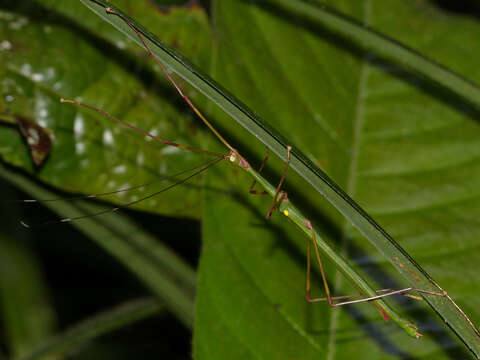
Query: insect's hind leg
{"points": [[311, 240], [330, 299]]}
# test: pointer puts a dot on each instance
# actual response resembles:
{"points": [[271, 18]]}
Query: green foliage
{"points": [[52, 54], [405, 150], [381, 134]]}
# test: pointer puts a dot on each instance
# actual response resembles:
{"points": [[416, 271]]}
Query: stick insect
{"points": [[281, 203]]}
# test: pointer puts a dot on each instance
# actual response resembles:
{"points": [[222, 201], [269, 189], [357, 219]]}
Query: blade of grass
{"points": [[69, 341], [158, 267], [412, 272]]}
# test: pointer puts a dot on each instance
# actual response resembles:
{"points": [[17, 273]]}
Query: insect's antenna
{"points": [[141, 131], [172, 81], [91, 196], [126, 205]]}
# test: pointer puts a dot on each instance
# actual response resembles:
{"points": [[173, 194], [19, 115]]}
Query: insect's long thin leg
{"points": [[173, 82], [330, 299], [274, 203], [143, 132], [322, 272], [390, 293], [309, 265], [259, 192]]}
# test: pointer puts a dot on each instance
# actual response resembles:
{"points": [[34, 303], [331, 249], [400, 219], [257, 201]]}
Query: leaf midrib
{"points": [[351, 178]]}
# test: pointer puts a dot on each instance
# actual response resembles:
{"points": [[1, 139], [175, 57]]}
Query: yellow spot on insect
{"points": [[285, 212], [232, 157]]}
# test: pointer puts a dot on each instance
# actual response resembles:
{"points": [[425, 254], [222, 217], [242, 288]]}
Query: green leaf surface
{"points": [[363, 36], [403, 150], [52, 50]]}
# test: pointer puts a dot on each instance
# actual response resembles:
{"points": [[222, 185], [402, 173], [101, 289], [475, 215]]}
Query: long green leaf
{"points": [[412, 272]]}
